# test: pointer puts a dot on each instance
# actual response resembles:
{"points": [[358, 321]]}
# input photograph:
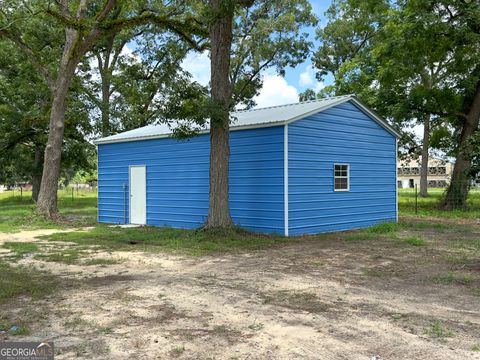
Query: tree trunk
{"points": [[47, 198], [220, 32], [424, 164], [105, 105], [457, 192], [37, 172]]}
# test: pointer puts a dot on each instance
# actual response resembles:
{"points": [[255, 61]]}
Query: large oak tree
{"points": [[83, 23], [247, 37]]}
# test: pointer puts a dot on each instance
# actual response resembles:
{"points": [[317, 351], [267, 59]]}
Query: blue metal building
{"points": [[317, 166]]}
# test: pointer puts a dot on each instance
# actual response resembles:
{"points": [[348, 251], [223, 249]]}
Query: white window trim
{"points": [[341, 177]]}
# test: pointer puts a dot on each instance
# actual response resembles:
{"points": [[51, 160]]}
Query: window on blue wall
{"points": [[341, 179]]}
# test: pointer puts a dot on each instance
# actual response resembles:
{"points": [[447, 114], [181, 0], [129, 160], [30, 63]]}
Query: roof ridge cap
{"points": [[297, 103]]}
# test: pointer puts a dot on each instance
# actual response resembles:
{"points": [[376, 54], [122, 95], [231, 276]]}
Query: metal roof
{"points": [[254, 118]]}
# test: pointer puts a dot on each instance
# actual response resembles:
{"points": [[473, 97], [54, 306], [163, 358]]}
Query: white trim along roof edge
{"points": [[302, 110]]}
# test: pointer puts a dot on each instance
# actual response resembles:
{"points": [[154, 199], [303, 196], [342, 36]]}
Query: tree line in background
{"points": [[71, 70]]}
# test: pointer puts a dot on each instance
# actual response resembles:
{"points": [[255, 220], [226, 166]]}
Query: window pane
{"points": [[341, 184]]}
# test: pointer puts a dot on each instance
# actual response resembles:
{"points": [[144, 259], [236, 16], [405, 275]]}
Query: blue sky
{"points": [[276, 90], [293, 75]]}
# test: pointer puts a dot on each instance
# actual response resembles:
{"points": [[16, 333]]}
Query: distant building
{"points": [[439, 173]]}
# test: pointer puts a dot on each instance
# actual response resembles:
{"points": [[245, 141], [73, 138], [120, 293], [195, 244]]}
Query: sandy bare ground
{"points": [[304, 300]]}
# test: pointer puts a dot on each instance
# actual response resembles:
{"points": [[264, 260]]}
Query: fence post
{"points": [[416, 199]]}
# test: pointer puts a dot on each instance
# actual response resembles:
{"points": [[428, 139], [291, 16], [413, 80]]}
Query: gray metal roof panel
{"points": [[268, 116]]}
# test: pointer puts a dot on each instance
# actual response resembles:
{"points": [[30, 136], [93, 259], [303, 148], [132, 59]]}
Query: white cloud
{"points": [[198, 65], [307, 79], [276, 91]]}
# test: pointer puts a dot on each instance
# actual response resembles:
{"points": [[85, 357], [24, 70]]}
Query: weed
{"points": [[383, 228], [105, 330], [450, 278], [413, 240], [376, 272], [475, 348], [101, 261], [177, 351], [255, 326], [306, 301], [436, 329], [220, 329], [77, 322]]}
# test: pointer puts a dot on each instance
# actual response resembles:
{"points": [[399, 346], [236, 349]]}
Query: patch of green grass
{"points": [[67, 256], [27, 281], [306, 301], [19, 329], [177, 351], [21, 248], [256, 326], [383, 228], [437, 330], [429, 206], [378, 231], [475, 348], [360, 236], [101, 261], [77, 322], [413, 240], [106, 330], [146, 238], [18, 213], [375, 272], [451, 278]]}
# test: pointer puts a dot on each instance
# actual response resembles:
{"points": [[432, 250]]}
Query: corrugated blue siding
{"points": [[341, 134], [177, 179]]}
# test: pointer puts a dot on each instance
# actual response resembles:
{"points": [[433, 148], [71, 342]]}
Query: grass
{"points": [[25, 281], [101, 261], [388, 230], [13, 329], [437, 330], [190, 242], [452, 278], [66, 256], [177, 351], [306, 301], [18, 213], [429, 206], [20, 248], [413, 240]]}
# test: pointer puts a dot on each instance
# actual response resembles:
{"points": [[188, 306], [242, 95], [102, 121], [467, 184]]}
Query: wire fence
{"points": [[72, 191], [461, 200]]}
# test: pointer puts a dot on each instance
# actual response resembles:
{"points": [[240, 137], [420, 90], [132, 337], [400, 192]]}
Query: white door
{"points": [[138, 195]]}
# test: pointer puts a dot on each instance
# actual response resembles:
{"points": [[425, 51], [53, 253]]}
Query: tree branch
{"points": [[164, 21], [42, 69]]}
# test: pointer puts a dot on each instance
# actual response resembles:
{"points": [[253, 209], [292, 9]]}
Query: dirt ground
{"points": [[311, 299]]}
